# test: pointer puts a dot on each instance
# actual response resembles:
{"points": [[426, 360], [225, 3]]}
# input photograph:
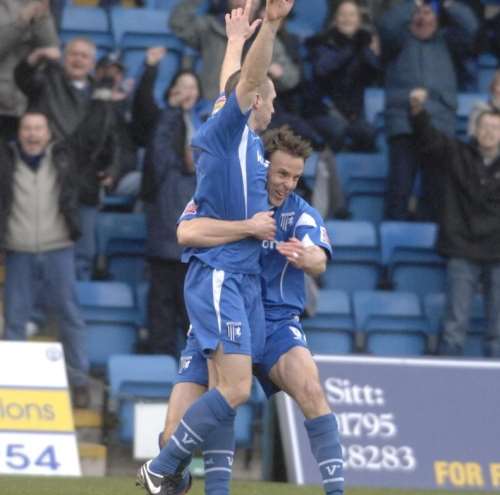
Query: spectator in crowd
{"points": [[345, 61], [38, 228], [63, 92], [418, 42], [493, 103], [469, 234], [98, 147], [24, 26], [168, 184], [110, 75], [207, 34]]}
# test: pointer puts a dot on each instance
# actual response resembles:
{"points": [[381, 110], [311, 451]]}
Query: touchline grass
{"points": [[11, 485]]}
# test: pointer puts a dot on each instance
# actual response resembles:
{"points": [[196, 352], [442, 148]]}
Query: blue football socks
{"points": [[203, 417], [325, 445], [218, 454]]}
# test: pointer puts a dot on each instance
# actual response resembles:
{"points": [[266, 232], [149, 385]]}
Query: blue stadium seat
{"points": [[362, 172], [434, 307], [367, 206], [356, 256], [331, 329], [408, 252], [142, 28], [308, 19], [374, 100], [466, 102], [393, 322], [89, 22], [310, 170], [141, 297], [111, 319], [135, 377], [487, 66], [121, 239]]}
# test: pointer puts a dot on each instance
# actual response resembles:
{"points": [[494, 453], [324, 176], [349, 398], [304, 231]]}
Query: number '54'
{"points": [[16, 458]]}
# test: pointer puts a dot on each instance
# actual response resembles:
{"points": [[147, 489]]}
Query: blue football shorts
{"points": [[192, 364], [225, 308], [281, 336]]}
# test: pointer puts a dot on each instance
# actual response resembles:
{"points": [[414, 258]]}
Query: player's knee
{"points": [[237, 392], [311, 397]]}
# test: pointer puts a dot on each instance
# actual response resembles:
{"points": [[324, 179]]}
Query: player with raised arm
{"points": [[222, 286], [301, 245]]}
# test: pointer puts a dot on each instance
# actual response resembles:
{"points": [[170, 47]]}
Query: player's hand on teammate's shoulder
{"points": [[263, 226], [238, 23], [277, 10], [293, 250]]}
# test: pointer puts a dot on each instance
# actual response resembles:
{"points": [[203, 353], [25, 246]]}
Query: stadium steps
{"points": [[93, 458]]}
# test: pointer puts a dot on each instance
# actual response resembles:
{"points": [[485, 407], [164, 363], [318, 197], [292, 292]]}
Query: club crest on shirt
{"points": [[286, 220], [233, 330]]}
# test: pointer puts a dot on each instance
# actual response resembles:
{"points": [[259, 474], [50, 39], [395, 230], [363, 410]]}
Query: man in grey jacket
{"points": [[207, 34], [38, 228], [419, 43], [24, 26]]}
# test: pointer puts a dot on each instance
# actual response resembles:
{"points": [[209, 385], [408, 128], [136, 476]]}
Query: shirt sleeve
{"points": [[190, 212], [311, 231], [222, 132]]}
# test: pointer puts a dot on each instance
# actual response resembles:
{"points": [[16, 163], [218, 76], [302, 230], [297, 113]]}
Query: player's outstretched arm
{"points": [[311, 259], [258, 59], [238, 30], [209, 232]]}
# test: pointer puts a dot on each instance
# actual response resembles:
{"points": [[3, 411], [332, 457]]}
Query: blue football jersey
{"points": [[283, 286], [231, 175]]}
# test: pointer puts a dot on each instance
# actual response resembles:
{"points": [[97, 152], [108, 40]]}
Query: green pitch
{"points": [[125, 486]]}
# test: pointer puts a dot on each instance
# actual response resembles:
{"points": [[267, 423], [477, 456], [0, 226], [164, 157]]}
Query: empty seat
{"points": [[89, 22], [393, 322], [367, 206], [310, 170], [362, 172], [308, 18], [408, 251], [331, 329], [121, 239], [136, 377], [435, 308], [356, 257], [374, 99], [142, 28], [466, 102], [111, 319]]}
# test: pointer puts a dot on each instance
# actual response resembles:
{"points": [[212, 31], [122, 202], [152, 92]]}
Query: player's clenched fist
{"points": [[263, 226]]}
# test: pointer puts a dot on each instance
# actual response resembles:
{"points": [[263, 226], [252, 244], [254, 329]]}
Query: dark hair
{"points": [[177, 76], [284, 139]]}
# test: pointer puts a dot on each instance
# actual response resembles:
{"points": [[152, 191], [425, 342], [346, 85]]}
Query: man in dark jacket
{"points": [[38, 229], [469, 235], [419, 43]]}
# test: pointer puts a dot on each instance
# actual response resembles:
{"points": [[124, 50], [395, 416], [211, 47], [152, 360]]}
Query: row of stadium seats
{"points": [[399, 255], [140, 378], [385, 323], [392, 323]]}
